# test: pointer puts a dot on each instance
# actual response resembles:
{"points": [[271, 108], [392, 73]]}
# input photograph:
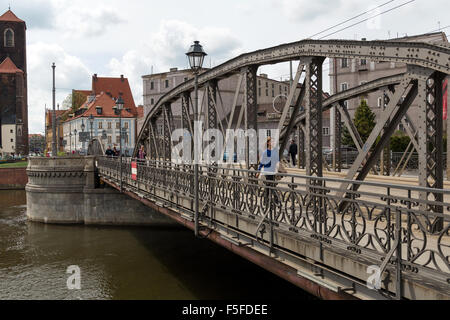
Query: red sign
{"points": [[444, 99], [134, 170]]}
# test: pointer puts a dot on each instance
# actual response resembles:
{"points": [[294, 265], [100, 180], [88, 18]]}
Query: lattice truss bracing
{"points": [[427, 66]]}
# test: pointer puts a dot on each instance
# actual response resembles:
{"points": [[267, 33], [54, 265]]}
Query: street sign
{"points": [[84, 136]]}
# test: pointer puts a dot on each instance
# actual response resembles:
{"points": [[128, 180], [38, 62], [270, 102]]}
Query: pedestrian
{"points": [[268, 167], [293, 150], [116, 152], [141, 153], [109, 152]]}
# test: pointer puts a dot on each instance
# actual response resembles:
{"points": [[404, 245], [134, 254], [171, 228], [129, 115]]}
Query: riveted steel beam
{"points": [[153, 138], [337, 154], [313, 90], [251, 109], [393, 114], [431, 168]]}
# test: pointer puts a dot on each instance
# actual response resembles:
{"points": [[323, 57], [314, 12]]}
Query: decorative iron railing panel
{"points": [[366, 226]]}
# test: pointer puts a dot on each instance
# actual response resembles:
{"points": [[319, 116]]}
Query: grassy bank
{"points": [[21, 164]]}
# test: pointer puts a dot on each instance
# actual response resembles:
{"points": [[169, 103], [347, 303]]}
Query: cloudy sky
{"points": [[114, 37]]}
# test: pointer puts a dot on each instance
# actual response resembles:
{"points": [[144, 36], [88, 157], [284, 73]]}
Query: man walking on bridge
{"points": [[293, 150]]}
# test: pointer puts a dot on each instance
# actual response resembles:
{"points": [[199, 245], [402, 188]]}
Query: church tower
{"points": [[13, 86]]}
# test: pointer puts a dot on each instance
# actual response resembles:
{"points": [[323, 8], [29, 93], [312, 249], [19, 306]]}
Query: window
{"points": [[117, 139], [11, 131], [99, 110], [152, 85], [9, 38], [185, 79], [344, 63], [152, 101], [269, 133], [273, 93], [267, 92], [259, 82], [117, 125], [267, 84], [344, 86], [109, 139], [363, 62], [380, 102], [125, 125], [259, 92], [280, 88], [109, 125], [100, 125], [273, 85], [167, 83], [326, 131]]}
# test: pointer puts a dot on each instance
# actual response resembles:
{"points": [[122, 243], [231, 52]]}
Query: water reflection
{"points": [[122, 263]]}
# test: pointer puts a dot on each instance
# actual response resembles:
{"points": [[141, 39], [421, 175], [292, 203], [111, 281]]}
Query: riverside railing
{"points": [[379, 222]]}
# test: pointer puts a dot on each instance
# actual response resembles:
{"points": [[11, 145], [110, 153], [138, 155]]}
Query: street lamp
{"points": [[195, 56], [118, 109], [70, 142], [82, 130], [91, 121], [75, 144]]}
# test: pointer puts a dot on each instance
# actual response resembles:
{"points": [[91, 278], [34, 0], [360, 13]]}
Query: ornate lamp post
{"points": [[195, 56], [91, 121], [75, 134], [118, 109], [82, 130]]}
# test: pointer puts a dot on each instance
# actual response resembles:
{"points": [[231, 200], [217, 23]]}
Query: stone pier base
{"points": [[64, 191]]}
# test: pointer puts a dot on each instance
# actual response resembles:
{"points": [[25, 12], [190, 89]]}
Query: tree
{"points": [[364, 122]]}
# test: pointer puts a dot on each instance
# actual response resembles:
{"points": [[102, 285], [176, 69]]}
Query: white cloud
{"points": [[167, 47], [70, 73], [78, 22]]}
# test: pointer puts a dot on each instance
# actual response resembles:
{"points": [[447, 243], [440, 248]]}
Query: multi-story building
{"points": [[348, 73], [49, 130], [271, 97], [13, 89], [36, 143], [97, 115]]}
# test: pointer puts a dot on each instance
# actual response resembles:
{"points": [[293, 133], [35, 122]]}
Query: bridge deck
{"points": [[344, 235]]}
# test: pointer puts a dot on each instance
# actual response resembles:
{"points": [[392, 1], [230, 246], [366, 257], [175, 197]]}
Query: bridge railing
{"points": [[377, 222]]}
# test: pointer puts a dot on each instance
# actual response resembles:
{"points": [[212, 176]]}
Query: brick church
{"points": [[13, 86]]}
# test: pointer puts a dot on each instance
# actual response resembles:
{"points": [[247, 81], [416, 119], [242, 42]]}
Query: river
{"points": [[122, 263]]}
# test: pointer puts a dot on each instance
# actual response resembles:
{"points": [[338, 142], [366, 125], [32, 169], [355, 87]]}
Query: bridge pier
{"points": [[64, 191]]}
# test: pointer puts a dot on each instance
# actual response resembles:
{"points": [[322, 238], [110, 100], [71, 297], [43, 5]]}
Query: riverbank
{"points": [[13, 177]]}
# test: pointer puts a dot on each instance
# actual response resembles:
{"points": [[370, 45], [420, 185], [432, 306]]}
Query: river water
{"points": [[122, 263]]}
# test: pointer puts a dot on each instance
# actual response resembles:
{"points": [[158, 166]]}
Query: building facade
{"points": [[349, 73], [49, 130], [13, 88]]}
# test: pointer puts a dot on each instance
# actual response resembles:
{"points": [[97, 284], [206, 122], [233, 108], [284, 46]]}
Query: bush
{"points": [[61, 154]]}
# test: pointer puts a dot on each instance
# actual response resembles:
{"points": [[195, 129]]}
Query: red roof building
{"points": [[10, 17], [8, 66], [115, 87]]}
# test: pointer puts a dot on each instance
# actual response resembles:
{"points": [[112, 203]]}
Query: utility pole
{"points": [[54, 153]]}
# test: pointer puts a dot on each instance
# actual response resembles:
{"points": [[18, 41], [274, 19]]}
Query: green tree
{"points": [[364, 122]]}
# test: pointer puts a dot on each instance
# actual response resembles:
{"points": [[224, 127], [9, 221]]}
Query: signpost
{"points": [[134, 170]]}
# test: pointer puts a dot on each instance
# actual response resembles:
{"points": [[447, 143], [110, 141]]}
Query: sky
{"points": [[134, 37]]}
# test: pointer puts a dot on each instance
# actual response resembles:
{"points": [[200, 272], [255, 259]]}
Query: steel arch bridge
{"points": [[364, 220], [427, 66]]}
